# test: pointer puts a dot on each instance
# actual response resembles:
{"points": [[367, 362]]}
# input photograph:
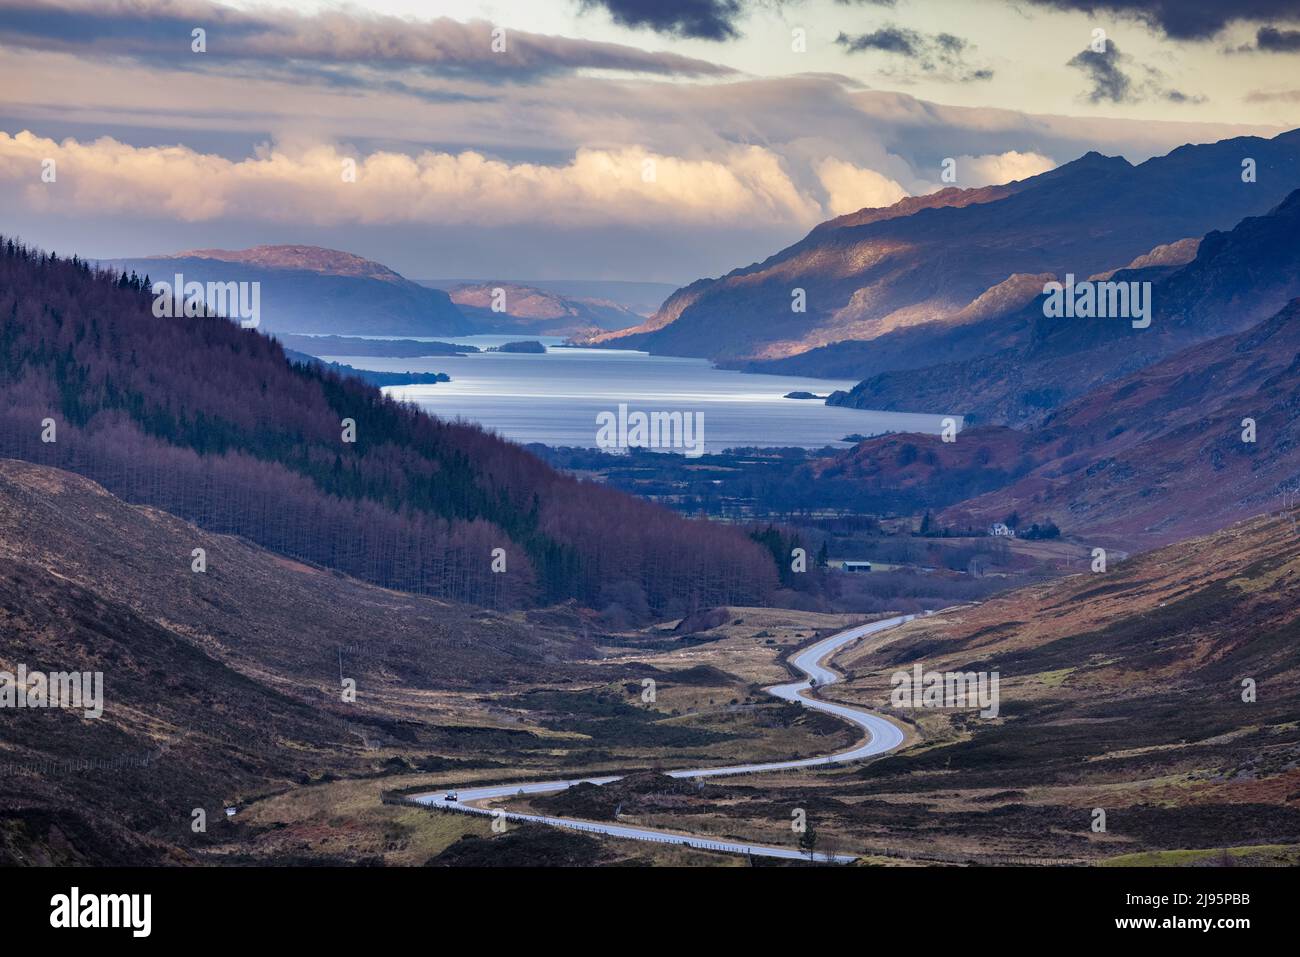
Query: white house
{"points": [[855, 566], [999, 530]]}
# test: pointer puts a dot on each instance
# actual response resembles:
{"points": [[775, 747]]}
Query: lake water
{"points": [[555, 398]]}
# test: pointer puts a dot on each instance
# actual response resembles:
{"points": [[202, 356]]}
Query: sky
{"points": [[659, 140]]}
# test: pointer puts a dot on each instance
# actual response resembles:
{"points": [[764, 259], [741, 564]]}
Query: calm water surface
{"points": [[554, 398]]}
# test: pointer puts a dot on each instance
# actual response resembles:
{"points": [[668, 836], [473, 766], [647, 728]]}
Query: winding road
{"points": [[881, 736]]}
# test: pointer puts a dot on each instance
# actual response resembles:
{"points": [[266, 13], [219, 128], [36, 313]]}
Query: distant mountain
{"points": [[640, 298], [506, 307], [330, 262], [1033, 363], [918, 268], [313, 290]]}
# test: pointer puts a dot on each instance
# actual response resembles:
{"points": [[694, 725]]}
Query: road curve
{"points": [[881, 736]]}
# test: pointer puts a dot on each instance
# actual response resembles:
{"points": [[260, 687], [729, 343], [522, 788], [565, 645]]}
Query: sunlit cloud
{"points": [[850, 188], [326, 185]]}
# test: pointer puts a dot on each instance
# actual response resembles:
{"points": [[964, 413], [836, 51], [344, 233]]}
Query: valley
{"points": [[1081, 725]]}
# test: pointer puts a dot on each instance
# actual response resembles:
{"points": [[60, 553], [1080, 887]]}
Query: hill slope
{"points": [[1236, 279], [1121, 690], [1160, 455], [218, 686], [1141, 461]]}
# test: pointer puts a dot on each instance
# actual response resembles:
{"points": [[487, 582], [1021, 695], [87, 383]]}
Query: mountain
{"points": [[317, 259], [212, 423], [1236, 279], [528, 310], [1122, 690], [1140, 461], [308, 289], [219, 686], [640, 298], [1159, 455], [920, 264]]}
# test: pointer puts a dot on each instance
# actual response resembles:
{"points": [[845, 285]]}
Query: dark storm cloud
{"points": [[888, 39], [1185, 19], [157, 32], [932, 53], [1110, 82], [1274, 40], [698, 19]]}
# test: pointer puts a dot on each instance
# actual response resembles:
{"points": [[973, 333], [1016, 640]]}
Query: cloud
{"points": [[996, 168], [1273, 40], [1273, 96], [1111, 84], [850, 188], [697, 19], [887, 39], [1184, 19], [159, 32], [932, 53], [306, 184]]}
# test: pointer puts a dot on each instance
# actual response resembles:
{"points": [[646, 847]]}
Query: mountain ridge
{"points": [[1030, 363], [874, 272]]}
